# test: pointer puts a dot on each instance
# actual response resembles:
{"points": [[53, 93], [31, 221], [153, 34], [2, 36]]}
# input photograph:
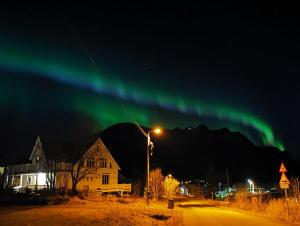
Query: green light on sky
{"points": [[119, 100]]}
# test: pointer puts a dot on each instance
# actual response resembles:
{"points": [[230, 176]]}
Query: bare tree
{"points": [[77, 173], [79, 170], [2, 178], [78, 143], [170, 186], [7, 177], [8, 173], [156, 183], [52, 167]]}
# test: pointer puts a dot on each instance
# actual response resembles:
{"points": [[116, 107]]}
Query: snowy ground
{"points": [[111, 211]]}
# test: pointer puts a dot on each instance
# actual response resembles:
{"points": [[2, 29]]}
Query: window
{"points": [[90, 161], [103, 162], [31, 179], [110, 165], [87, 178], [105, 179]]}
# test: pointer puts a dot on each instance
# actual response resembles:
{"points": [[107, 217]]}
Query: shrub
{"points": [[156, 183], [170, 186]]}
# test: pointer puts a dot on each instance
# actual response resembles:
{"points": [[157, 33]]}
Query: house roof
{"points": [[59, 148], [108, 152]]}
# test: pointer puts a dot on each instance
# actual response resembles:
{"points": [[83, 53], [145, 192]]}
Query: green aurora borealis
{"points": [[111, 99]]}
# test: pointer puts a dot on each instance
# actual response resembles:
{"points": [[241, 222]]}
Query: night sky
{"points": [[182, 65]]}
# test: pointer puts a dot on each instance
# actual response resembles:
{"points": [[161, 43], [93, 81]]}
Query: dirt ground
{"points": [[106, 212]]}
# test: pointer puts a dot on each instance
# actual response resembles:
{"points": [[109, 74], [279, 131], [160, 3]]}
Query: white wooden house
{"points": [[98, 171], [32, 174]]}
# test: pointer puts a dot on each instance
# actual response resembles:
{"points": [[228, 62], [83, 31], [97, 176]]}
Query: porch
{"points": [[118, 188]]}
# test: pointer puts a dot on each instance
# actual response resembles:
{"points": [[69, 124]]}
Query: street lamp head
{"points": [[250, 181], [157, 130]]}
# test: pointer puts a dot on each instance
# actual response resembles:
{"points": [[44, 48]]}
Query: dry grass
{"points": [[101, 211], [278, 208], [274, 208]]}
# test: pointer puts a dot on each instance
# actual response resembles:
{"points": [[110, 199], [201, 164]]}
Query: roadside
{"points": [[207, 212], [107, 211]]}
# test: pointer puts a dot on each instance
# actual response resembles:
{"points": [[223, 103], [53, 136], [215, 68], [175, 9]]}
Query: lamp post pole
{"points": [[251, 186], [148, 164], [149, 148]]}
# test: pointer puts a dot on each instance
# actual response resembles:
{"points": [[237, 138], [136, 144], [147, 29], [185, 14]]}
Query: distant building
{"points": [[96, 169]]}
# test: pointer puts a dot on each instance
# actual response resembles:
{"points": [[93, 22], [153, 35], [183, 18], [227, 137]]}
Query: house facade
{"points": [[31, 175], [96, 170]]}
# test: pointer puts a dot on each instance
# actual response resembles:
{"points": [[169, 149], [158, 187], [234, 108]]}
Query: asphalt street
{"points": [[198, 213]]}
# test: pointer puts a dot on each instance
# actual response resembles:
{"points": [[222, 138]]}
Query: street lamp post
{"points": [[148, 164], [149, 148], [251, 186]]}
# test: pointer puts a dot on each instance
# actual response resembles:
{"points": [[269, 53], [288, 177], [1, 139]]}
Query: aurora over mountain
{"points": [[110, 98], [174, 66]]}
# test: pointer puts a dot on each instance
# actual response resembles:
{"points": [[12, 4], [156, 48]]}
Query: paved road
{"points": [[208, 215]]}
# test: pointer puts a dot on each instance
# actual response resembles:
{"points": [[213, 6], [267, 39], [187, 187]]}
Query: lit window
{"points": [[103, 162], [31, 179], [105, 179]]}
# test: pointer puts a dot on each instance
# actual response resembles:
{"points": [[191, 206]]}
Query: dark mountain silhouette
{"points": [[191, 153], [197, 153]]}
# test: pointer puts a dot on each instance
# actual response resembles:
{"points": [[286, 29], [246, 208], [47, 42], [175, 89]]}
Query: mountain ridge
{"points": [[195, 153]]}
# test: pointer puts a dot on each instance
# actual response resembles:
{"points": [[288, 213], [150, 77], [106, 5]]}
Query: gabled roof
{"points": [[38, 147], [100, 142], [54, 148]]}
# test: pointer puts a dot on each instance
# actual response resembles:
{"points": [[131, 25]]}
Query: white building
{"points": [[97, 170]]}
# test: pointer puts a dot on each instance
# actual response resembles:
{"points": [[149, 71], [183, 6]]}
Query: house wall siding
{"points": [[93, 178]]}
